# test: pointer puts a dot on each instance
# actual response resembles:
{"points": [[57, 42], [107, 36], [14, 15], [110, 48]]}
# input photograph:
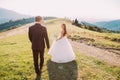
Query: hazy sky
{"points": [[96, 9]]}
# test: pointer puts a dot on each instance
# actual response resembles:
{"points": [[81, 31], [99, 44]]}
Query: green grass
{"points": [[104, 40], [16, 63], [16, 60]]}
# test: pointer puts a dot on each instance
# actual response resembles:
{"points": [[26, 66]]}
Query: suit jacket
{"points": [[38, 36]]}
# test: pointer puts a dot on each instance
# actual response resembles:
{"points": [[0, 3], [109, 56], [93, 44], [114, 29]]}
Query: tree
{"points": [[76, 21]]}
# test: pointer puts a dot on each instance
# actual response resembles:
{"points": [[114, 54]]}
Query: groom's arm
{"points": [[47, 39], [29, 35]]}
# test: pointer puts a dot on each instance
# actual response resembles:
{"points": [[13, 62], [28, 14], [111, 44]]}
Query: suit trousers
{"points": [[36, 55]]}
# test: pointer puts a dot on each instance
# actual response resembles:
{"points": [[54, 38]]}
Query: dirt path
{"points": [[101, 54], [20, 30]]}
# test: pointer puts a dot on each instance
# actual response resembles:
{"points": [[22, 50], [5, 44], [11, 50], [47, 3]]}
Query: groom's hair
{"points": [[38, 18]]}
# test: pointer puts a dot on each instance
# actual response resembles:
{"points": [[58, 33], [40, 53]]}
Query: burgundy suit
{"points": [[38, 37]]}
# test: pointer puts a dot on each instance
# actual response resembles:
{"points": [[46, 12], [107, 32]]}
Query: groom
{"points": [[38, 37]]}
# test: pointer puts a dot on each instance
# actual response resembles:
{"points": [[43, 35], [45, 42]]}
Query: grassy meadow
{"points": [[16, 61]]}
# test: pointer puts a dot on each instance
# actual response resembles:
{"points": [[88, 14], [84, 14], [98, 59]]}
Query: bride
{"points": [[61, 50]]}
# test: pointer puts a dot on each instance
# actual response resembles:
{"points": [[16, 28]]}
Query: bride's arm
{"points": [[67, 35], [60, 36]]}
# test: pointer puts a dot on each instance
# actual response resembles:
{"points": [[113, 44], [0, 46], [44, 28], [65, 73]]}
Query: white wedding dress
{"points": [[61, 51]]}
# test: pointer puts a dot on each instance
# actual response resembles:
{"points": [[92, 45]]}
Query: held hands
{"points": [[47, 49]]}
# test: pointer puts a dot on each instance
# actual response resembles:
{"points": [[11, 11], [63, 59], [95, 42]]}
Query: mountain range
{"points": [[6, 15], [111, 25]]}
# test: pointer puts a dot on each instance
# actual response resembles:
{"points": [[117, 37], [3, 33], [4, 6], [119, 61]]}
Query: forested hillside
{"points": [[13, 24], [97, 28], [16, 23]]}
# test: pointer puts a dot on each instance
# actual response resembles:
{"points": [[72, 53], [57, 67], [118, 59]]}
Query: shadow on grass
{"points": [[62, 71]]}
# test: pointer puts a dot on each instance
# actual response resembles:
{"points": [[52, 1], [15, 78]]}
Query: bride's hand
{"points": [[57, 39], [47, 49]]}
